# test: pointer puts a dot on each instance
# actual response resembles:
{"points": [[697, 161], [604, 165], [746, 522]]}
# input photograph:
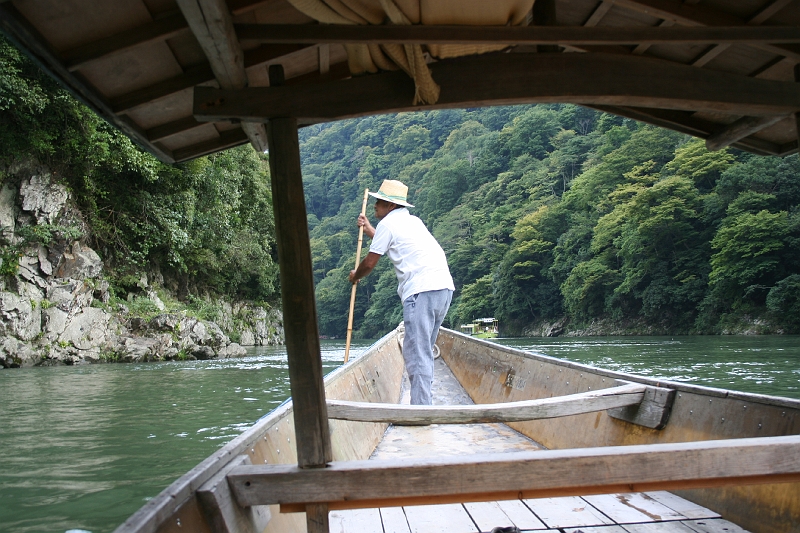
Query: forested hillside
{"points": [[556, 212], [206, 226]]}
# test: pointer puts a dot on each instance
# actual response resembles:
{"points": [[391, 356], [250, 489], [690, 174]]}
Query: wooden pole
{"points": [[353, 290], [312, 436]]}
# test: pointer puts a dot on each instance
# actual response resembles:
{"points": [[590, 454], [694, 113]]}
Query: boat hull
{"points": [[492, 373]]}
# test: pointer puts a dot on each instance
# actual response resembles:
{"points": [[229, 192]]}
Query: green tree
{"points": [[747, 251]]}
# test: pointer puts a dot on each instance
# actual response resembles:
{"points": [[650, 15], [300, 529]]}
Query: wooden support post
{"points": [[312, 436]]}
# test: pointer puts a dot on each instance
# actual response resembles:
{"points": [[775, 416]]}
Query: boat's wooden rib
{"points": [[354, 484], [652, 412], [223, 512], [574, 404]]}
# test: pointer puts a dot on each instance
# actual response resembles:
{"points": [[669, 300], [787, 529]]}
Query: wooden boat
{"points": [[186, 78], [570, 430]]}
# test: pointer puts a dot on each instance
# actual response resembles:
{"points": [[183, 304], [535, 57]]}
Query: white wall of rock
{"points": [[46, 311]]}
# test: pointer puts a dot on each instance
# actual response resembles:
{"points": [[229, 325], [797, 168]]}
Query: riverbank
{"points": [[57, 307], [742, 324]]}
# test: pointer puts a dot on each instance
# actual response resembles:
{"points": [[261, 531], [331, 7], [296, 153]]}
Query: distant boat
{"points": [[581, 446], [482, 328]]}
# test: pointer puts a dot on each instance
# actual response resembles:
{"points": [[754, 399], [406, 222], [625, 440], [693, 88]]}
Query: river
{"points": [[82, 448]]}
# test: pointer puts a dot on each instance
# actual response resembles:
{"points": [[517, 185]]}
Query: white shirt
{"points": [[419, 261]]}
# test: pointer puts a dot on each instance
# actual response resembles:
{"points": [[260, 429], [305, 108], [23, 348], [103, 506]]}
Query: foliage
{"points": [[206, 225], [784, 300], [142, 306], [553, 211], [48, 234]]}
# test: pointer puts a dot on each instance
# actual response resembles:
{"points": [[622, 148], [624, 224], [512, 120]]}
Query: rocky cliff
{"points": [[55, 304]]}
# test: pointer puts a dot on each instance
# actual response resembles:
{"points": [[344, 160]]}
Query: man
{"points": [[424, 282]]}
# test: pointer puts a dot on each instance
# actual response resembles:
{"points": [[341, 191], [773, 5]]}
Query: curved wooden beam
{"points": [[412, 415], [516, 79]]}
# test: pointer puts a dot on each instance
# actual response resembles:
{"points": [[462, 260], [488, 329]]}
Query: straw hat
{"points": [[393, 191]]}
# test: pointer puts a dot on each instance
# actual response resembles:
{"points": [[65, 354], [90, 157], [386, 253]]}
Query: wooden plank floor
{"points": [[652, 512]]}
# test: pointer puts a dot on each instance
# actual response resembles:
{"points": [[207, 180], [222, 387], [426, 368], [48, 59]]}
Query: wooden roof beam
{"points": [[762, 16], [594, 19], [211, 23], [197, 75], [226, 139], [158, 30], [544, 14], [642, 48], [699, 15], [517, 78], [599, 12], [685, 122], [14, 25], [681, 13], [513, 35], [740, 129], [337, 71], [175, 127]]}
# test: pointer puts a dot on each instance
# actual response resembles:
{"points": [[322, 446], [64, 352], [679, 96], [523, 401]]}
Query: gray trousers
{"points": [[423, 314]]}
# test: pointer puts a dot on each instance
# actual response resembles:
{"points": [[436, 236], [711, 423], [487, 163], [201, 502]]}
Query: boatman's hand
{"points": [[364, 268], [363, 222]]}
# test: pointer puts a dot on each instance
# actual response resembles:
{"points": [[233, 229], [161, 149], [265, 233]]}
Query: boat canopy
{"points": [[185, 78]]}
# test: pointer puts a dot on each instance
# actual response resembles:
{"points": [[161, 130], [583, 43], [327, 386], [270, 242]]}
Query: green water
{"points": [[82, 448]]}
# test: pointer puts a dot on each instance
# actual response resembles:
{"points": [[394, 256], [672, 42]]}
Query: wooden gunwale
{"points": [[676, 385]]}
